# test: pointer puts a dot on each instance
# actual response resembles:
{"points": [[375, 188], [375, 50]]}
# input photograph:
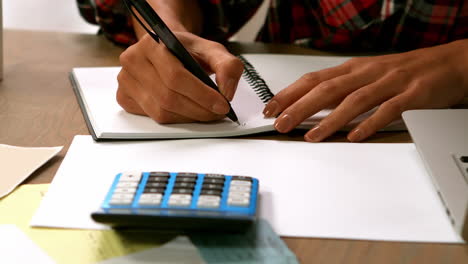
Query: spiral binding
{"points": [[257, 83]]}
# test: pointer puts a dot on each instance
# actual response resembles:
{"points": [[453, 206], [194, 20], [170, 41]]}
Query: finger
{"points": [[227, 67], [319, 98], [295, 91], [139, 102], [125, 83], [128, 104], [153, 93], [385, 114], [177, 78], [358, 102], [173, 102]]}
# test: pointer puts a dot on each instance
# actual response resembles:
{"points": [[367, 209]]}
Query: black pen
{"points": [[161, 31]]}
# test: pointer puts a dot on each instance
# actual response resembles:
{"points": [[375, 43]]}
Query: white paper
{"points": [[16, 247], [177, 251], [332, 190], [17, 163]]}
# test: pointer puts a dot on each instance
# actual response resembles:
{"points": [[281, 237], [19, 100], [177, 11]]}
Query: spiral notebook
{"points": [[264, 76]]}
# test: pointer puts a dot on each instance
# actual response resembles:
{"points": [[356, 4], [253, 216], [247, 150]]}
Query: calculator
{"points": [[180, 201]]}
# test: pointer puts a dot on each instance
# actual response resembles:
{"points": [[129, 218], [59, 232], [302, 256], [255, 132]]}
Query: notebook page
{"points": [[98, 87]]}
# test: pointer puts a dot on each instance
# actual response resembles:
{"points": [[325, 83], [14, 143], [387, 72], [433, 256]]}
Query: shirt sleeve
{"points": [[224, 18], [112, 17]]}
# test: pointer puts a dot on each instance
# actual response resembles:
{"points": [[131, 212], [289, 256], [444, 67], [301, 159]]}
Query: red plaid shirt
{"points": [[372, 25]]}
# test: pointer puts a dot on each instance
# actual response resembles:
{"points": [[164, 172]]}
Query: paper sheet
{"points": [[331, 190], [18, 163], [16, 247], [178, 251], [259, 245], [88, 246]]}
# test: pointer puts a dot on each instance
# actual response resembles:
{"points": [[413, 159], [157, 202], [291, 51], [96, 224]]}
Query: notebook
{"points": [[264, 76], [440, 136]]}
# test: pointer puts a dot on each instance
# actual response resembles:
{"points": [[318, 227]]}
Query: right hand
{"points": [[153, 82]]}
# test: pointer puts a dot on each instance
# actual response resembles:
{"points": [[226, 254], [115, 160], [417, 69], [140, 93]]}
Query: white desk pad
{"points": [[328, 190]]}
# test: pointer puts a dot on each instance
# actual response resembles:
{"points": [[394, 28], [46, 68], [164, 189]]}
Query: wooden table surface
{"points": [[38, 108]]}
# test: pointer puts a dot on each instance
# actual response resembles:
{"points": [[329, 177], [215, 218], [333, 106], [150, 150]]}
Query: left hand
{"points": [[435, 77]]}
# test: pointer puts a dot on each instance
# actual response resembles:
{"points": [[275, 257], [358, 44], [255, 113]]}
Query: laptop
{"points": [[441, 138], [1, 41]]}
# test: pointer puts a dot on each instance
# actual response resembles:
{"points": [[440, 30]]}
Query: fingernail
{"points": [[356, 135], [284, 123], [220, 108], [229, 88], [271, 109], [315, 134]]}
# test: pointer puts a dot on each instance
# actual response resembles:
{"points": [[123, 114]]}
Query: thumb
{"points": [[215, 58], [228, 72], [227, 67]]}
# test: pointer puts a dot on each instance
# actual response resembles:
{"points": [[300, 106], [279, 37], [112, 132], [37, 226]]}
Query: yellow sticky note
{"points": [[67, 245]]}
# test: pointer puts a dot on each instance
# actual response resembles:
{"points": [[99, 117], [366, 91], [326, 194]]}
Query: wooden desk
{"points": [[38, 108]]}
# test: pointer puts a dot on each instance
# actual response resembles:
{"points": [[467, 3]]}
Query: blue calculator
{"points": [[180, 201]]}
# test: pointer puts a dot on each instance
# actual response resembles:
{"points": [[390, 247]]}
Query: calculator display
{"points": [[180, 201]]}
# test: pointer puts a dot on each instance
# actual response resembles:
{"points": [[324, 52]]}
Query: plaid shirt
{"points": [[369, 25]]}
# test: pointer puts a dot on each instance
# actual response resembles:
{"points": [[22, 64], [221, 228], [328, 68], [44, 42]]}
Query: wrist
{"points": [[461, 46]]}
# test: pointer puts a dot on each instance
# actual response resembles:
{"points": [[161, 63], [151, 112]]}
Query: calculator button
{"points": [[240, 183], [121, 201], [179, 202], [155, 185], [126, 184], [151, 196], [239, 188], [238, 202], [208, 204], [213, 181], [150, 199], [158, 179], [239, 195], [122, 196], [125, 190], [159, 174], [464, 159], [215, 175], [212, 187], [192, 180], [209, 198], [130, 176], [154, 190], [149, 202], [178, 196], [180, 199], [182, 191], [187, 175], [184, 185], [211, 192], [241, 178]]}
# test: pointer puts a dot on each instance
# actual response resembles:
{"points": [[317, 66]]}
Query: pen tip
{"points": [[238, 123]]}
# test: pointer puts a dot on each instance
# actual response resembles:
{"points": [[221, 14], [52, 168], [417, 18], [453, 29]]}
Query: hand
{"points": [[434, 77], [153, 82]]}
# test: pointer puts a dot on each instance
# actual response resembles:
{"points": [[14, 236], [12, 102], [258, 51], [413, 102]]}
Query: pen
{"points": [[163, 33]]}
